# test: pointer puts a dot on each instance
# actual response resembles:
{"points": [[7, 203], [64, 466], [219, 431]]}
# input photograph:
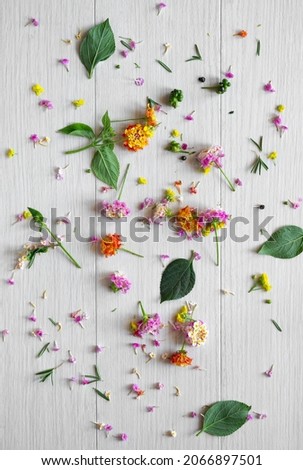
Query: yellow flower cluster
{"points": [[37, 89], [170, 195], [136, 136], [142, 180], [182, 315], [264, 282], [273, 155], [10, 153], [280, 108], [78, 103]]}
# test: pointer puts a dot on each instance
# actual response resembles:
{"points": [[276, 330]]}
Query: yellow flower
{"points": [[78, 103], [264, 282], [142, 180], [136, 136], [26, 214], [206, 170], [273, 155], [175, 133], [182, 314], [170, 195], [37, 89], [280, 108], [151, 116], [10, 153]]}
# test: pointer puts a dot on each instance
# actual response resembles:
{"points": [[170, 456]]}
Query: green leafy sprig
{"points": [[258, 163], [105, 164], [39, 219], [43, 350], [166, 67], [102, 395], [48, 373], [94, 378], [197, 56]]}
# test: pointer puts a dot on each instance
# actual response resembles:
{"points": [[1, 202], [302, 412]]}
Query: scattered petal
{"points": [[139, 81]]}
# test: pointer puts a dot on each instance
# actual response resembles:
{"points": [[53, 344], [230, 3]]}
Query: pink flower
{"points": [[33, 21], [189, 117], [79, 317], [135, 388], [269, 88], [268, 372], [71, 358], [210, 157], [5, 333], [149, 325], [238, 182], [249, 417], [55, 347], [11, 281], [32, 317], [124, 54], [135, 347], [107, 428], [156, 343], [184, 146], [124, 437], [151, 409], [261, 415], [34, 138], [148, 202], [139, 81], [65, 62], [281, 128], [119, 283], [46, 104], [193, 414], [115, 210], [160, 7], [99, 349], [132, 44], [105, 189], [94, 239], [84, 381], [38, 333], [229, 73], [197, 256], [159, 386]]}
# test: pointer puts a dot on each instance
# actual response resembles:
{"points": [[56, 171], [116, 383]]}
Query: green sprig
{"points": [[197, 56]]}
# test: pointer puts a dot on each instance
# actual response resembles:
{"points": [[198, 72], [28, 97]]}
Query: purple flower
{"points": [[55, 347], [139, 81], [65, 62], [132, 44], [46, 104], [124, 54], [210, 157], [197, 256], [238, 182], [84, 381], [119, 283], [115, 210], [11, 281], [189, 117], [32, 317], [33, 21], [34, 138], [99, 349], [79, 317], [149, 325], [193, 414], [184, 146], [151, 409], [71, 358], [148, 202], [268, 372], [160, 7], [124, 437], [108, 427], [156, 343], [269, 88], [38, 333], [5, 333], [135, 347], [281, 128], [249, 417]]}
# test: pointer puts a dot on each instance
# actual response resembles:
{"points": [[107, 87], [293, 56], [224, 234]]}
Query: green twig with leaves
{"points": [[48, 373]]}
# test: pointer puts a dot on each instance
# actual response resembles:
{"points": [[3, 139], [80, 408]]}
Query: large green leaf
{"points": [[105, 166], [285, 243], [177, 280], [225, 417], [78, 129], [97, 46]]}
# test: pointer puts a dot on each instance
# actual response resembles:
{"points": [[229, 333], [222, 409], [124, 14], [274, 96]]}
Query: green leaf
{"points": [[125, 44], [284, 243], [166, 67], [277, 325], [37, 216], [97, 46], [177, 280], [258, 47], [105, 166], [79, 129], [107, 133], [31, 256], [42, 351], [101, 394], [224, 418]]}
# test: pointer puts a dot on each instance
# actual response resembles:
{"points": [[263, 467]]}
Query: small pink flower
{"points": [[65, 62], [197, 256], [99, 349], [151, 409], [33, 21], [148, 202], [159, 386], [5, 333], [124, 437], [229, 73], [107, 428], [94, 239], [160, 7], [190, 116], [268, 372], [105, 189], [11, 281], [34, 138], [135, 347], [46, 104], [139, 81], [38, 333], [193, 414], [261, 415], [71, 358], [55, 347], [132, 44], [84, 381], [164, 257], [135, 388], [269, 88], [184, 146], [249, 417], [79, 317], [156, 343], [32, 317], [124, 54], [238, 182]]}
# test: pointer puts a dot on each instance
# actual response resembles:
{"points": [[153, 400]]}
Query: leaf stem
{"points": [[61, 246], [69, 152], [123, 182], [217, 246], [131, 252], [227, 179]]}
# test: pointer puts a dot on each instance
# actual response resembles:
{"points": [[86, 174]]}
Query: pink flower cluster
{"points": [[149, 325], [115, 210], [119, 283], [46, 104], [211, 216], [210, 157], [277, 121]]}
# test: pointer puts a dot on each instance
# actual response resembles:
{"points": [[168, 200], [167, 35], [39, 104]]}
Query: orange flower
{"points": [[241, 33], [188, 221], [136, 136], [110, 244], [181, 359], [151, 116]]}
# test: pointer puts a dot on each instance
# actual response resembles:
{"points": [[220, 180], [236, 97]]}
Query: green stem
{"points": [[69, 152], [128, 120], [200, 432], [227, 179], [144, 314], [182, 348], [131, 252], [255, 287], [217, 246], [123, 182], [61, 246]]}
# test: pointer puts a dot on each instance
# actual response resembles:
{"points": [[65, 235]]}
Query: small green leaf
{"points": [[258, 47], [276, 325], [97, 46], [79, 129], [42, 351], [101, 394], [166, 67], [105, 166], [31, 255], [106, 122], [224, 418], [178, 279], [37, 216], [284, 243], [125, 44]]}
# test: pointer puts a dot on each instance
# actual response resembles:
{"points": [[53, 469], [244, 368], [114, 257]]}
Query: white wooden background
{"points": [[242, 341]]}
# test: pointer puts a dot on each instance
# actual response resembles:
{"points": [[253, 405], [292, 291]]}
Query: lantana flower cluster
{"points": [[149, 324], [212, 158], [136, 136], [115, 210], [119, 282]]}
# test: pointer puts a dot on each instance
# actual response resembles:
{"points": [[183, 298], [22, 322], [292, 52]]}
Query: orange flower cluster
{"points": [[110, 244], [137, 135], [180, 359], [187, 220]]}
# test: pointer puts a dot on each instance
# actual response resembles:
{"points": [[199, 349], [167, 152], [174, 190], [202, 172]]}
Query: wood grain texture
{"points": [[242, 341]]}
